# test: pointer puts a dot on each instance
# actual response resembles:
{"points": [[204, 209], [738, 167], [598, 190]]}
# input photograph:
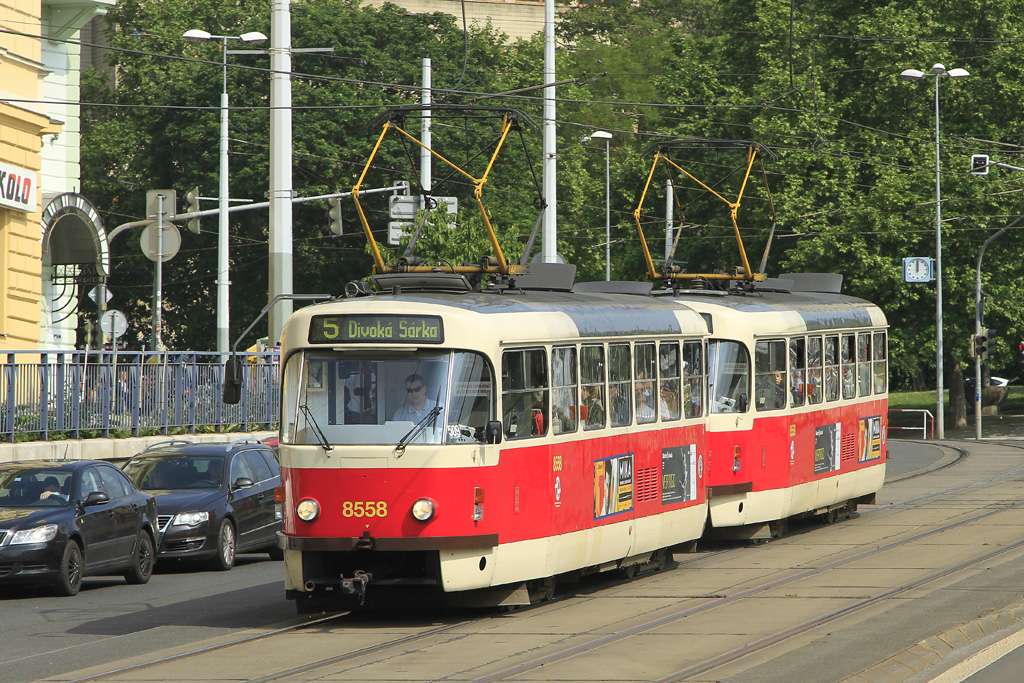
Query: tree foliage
{"points": [[850, 184]]}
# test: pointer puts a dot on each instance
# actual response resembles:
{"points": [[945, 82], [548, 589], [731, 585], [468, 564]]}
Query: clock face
{"points": [[916, 269]]}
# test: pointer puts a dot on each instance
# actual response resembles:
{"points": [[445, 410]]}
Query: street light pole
{"points": [[223, 261], [938, 70], [607, 137]]}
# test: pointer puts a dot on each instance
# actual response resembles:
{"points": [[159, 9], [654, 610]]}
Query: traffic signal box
{"points": [[984, 342]]}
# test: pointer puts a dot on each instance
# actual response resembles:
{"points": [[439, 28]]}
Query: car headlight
{"points": [[40, 534], [307, 509], [423, 509], [190, 518]]}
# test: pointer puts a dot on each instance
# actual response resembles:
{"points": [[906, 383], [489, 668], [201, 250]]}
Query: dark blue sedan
{"points": [[63, 520]]}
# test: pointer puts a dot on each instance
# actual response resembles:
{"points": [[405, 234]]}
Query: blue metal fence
{"points": [[70, 392]]}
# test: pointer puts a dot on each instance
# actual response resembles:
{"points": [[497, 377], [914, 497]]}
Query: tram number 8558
{"points": [[368, 508]]}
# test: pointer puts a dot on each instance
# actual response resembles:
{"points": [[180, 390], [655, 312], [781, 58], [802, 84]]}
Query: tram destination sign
{"points": [[381, 329]]}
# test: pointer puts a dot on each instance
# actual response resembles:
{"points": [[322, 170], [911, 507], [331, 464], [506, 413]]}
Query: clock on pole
{"points": [[918, 269]]}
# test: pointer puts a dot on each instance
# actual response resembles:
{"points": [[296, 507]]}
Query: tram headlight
{"points": [[307, 509], [424, 509]]}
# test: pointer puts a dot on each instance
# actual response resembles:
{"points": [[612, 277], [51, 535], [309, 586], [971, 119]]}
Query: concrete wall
{"points": [[101, 449]]}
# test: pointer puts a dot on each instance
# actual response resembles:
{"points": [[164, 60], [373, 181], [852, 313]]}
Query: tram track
{"points": [[566, 654]]}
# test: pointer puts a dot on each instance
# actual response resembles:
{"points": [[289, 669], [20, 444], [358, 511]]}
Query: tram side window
{"points": [[814, 358], [524, 393], [646, 366], [592, 376], [864, 364], [729, 376], [770, 374], [619, 384], [563, 389], [668, 364], [848, 357], [472, 397], [832, 368], [797, 369], [693, 378], [881, 373]]}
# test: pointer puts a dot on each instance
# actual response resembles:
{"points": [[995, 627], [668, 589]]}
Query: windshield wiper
{"points": [[316, 427], [417, 428]]}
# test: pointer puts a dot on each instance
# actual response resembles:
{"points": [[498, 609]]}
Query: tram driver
{"points": [[417, 403]]}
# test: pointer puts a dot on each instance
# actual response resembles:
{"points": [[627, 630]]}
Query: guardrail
{"points": [[61, 394], [926, 419]]}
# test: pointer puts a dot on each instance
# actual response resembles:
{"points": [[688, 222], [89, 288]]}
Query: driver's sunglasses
{"points": [[413, 390]]}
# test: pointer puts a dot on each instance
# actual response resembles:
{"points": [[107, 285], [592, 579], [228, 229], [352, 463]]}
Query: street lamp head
{"points": [[600, 135], [912, 73], [196, 34], [957, 73], [938, 68], [253, 37]]}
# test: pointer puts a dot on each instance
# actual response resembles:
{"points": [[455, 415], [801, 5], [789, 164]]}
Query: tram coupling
{"points": [[356, 585]]}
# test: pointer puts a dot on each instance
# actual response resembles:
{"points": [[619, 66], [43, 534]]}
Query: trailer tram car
{"points": [[487, 441], [801, 430]]}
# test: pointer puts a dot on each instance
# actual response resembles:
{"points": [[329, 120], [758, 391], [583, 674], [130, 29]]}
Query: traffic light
{"points": [[334, 214], [192, 206], [1020, 352], [979, 164], [981, 346]]}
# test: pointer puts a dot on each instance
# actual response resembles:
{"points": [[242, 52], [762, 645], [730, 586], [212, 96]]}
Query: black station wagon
{"points": [[213, 500]]}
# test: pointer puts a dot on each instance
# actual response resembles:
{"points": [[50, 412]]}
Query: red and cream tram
{"points": [[487, 440]]}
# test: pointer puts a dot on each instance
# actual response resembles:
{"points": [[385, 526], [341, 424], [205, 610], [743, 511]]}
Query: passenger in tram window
{"points": [[814, 385], [417, 403], [644, 409], [594, 408], [691, 402], [779, 390], [798, 387], [670, 400], [619, 405]]}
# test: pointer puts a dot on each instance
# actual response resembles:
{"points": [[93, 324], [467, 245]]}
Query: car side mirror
{"points": [[232, 392], [492, 432], [96, 498], [242, 483]]}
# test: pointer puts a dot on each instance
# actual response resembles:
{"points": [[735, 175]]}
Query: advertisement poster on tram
{"points": [[678, 483], [869, 439], [826, 447], [613, 485]]}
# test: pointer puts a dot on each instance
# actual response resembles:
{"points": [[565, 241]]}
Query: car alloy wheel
{"points": [[69, 581]]}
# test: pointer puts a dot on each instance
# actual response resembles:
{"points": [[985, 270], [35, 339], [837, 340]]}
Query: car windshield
{"points": [[166, 472], [380, 398], [41, 487]]}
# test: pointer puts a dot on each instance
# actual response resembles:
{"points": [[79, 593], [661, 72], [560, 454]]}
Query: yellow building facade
{"points": [[51, 240], [23, 122]]}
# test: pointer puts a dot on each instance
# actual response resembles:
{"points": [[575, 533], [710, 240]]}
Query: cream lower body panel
{"points": [[766, 506], [543, 557]]}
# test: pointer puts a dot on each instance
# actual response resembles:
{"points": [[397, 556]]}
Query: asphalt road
{"points": [[44, 635]]}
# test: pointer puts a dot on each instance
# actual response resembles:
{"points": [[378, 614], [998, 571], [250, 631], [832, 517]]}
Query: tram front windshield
{"points": [[432, 397]]}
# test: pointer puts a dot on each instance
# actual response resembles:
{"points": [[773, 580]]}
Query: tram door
{"points": [[733, 454]]}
